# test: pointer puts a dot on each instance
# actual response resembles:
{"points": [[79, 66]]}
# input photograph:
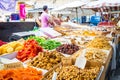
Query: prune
{"points": [[68, 48]]}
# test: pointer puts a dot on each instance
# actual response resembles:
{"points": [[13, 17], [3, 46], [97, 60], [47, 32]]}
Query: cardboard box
{"points": [[11, 65]]}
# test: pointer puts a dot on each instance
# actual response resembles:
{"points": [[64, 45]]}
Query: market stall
{"points": [[80, 48], [69, 51], [105, 8]]}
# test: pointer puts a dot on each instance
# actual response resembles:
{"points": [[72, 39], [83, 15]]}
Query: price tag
{"points": [[81, 62], [13, 65]]}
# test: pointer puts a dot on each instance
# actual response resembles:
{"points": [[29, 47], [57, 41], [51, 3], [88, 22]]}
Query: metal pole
{"points": [[77, 14]]}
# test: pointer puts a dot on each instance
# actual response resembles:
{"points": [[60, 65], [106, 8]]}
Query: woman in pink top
{"points": [[45, 18]]}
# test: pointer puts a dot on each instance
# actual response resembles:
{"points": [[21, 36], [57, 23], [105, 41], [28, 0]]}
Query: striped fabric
{"points": [[8, 5]]}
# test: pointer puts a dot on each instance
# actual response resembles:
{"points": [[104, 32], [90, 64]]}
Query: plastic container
{"points": [[15, 17], [95, 20], [83, 18], [106, 24]]}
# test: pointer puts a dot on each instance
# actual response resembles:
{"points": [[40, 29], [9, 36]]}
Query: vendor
{"points": [[45, 18], [106, 18]]}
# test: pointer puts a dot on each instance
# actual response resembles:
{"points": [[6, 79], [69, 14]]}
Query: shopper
{"points": [[67, 19], [60, 17], [118, 24], [38, 20], [106, 18], [57, 21], [45, 18]]}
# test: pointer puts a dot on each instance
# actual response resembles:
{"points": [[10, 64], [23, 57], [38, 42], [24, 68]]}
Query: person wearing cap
{"points": [[45, 18]]}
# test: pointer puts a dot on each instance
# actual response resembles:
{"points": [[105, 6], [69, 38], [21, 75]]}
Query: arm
{"points": [[38, 22], [50, 20]]}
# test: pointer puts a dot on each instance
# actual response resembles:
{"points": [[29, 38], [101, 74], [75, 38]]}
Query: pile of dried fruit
{"points": [[40, 40], [89, 33], [89, 74], [68, 48], [68, 73], [74, 73], [21, 74], [46, 60], [2, 42], [50, 44], [11, 47], [46, 44], [99, 42], [30, 50], [96, 55]]}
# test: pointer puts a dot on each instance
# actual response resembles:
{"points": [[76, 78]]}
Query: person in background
{"points": [[60, 17], [106, 18], [74, 21], [118, 24], [57, 20], [38, 20], [67, 19], [45, 18], [112, 18]]}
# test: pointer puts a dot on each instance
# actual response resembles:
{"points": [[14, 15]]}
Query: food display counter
{"points": [[78, 53]]}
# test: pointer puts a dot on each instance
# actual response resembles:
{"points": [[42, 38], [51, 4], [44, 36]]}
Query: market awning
{"points": [[74, 4], [102, 3], [93, 4]]}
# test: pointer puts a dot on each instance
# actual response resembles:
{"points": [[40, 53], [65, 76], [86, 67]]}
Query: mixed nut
{"points": [[46, 60]]}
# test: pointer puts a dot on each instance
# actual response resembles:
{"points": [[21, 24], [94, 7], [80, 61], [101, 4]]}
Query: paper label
{"points": [[81, 62], [13, 65]]}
